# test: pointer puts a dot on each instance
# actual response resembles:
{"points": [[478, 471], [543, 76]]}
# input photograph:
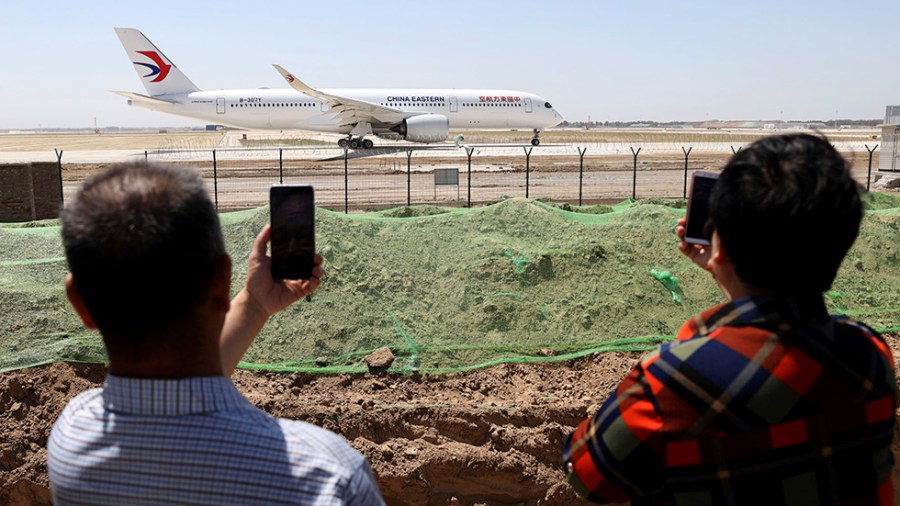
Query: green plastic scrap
{"points": [[836, 299], [545, 313], [519, 263], [669, 281], [414, 349]]}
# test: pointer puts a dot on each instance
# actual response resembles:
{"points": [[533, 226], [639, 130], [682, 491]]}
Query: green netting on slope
{"points": [[452, 289]]}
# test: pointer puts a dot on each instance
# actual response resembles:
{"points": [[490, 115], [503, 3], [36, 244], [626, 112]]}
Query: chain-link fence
{"points": [[455, 176]]}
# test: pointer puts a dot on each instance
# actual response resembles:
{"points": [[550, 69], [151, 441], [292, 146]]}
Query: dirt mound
{"points": [[446, 291]]}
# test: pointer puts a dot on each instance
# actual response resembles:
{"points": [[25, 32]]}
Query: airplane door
{"points": [[454, 105], [528, 105], [220, 106]]}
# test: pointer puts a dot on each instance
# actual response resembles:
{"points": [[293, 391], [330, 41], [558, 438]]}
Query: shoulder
{"points": [[304, 442], [717, 357], [82, 403], [851, 326], [329, 446], [312, 446], [77, 417], [849, 333]]}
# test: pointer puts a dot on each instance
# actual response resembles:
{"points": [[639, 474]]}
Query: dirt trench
{"points": [[487, 437], [491, 436]]}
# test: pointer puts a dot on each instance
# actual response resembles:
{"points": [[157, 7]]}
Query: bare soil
{"points": [[491, 436]]}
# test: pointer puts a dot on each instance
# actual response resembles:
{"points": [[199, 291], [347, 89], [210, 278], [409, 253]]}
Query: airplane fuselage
{"points": [[417, 115], [289, 109]]}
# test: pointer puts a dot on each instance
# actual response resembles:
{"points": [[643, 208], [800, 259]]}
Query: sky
{"points": [[635, 60]]}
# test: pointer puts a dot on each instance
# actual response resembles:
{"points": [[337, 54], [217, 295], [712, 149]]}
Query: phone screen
{"points": [[696, 231], [293, 215]]}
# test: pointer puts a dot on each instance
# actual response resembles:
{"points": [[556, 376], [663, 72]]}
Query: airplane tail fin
{"points": [[159, 75]]}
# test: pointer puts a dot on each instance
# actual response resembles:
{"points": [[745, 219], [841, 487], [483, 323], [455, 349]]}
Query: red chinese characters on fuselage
{"points": [[509, 98]]}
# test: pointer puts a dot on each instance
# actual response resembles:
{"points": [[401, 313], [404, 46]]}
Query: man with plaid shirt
{"points": [[765, 399]]}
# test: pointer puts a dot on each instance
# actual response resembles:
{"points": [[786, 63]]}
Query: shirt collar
{"points": [[763, 310], [170, 397]]}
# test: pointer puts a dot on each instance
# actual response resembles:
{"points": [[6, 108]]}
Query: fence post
{"points": [[634, 174], [280, 167], [145, 155], [581, 153], [59, 153], [408, 177], [527, 168], [215, 181], [733, 151], [469, 151], [869, 177], [686, 155], [346, 184]]}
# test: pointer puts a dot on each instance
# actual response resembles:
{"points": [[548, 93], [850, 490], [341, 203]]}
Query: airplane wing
{"points": [[350, 111]]}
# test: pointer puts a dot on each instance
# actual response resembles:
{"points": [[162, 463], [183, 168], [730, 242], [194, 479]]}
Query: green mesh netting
{"points": [[451, 290]]}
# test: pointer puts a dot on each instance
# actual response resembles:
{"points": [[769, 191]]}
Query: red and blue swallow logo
{"points": [[160, 70]]}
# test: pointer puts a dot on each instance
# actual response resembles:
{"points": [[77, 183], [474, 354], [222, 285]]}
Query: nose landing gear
{"points": [[536, 140]]}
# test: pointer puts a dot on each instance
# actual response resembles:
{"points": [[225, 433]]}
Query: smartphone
{"points": [[293, 218], [697, 231]]}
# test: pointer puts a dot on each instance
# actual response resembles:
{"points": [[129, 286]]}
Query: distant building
{"points": [[794, 125], [890, 138]]}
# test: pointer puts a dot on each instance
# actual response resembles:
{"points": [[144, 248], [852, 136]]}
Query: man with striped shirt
{"points": [[148, 268], [765, 399]]}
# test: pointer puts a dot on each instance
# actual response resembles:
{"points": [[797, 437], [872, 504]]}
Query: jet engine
{"points": [[424, 128]]}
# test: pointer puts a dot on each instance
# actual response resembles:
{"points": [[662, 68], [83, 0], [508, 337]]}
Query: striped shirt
{"points": [[196, 441], [760, 401]]}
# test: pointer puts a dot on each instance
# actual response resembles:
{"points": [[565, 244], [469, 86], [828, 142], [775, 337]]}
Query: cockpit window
{"points": [[547, 105]]}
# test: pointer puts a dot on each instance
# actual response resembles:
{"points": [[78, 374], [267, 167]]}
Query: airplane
{"points": [[416, 115]]}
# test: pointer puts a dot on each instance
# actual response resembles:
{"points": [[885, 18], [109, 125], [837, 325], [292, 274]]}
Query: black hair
{"points": [[142, 241], [787, 210]]}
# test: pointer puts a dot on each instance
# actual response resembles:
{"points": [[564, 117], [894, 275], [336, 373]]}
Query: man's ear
{"points": [[78, 303], [719, 255], [221, 283]]}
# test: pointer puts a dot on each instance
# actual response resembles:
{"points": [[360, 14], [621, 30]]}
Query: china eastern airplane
{"points": [[417, 115]]}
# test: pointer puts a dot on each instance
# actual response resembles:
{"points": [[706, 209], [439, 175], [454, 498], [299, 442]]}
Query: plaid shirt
{"points": [[759, 401]]}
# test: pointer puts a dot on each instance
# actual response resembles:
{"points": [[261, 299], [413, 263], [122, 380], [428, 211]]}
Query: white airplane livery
{"points": [[416, 115]]}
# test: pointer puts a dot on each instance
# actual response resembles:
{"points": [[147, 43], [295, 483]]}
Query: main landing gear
{"points": [[536, 140], [359, 142]]}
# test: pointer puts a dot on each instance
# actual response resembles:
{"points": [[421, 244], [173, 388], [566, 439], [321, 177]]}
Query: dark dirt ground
{"points": [[491, 436]]}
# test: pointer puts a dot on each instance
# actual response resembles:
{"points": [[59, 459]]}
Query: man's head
{"points": [[786, 211], [143, 243]]}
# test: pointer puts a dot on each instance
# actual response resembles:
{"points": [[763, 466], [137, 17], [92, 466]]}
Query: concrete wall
{"points": [[29, 191]]}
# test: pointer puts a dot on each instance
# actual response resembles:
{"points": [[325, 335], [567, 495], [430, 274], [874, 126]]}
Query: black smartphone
{"points": [[697, 231], [293, 218]]}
